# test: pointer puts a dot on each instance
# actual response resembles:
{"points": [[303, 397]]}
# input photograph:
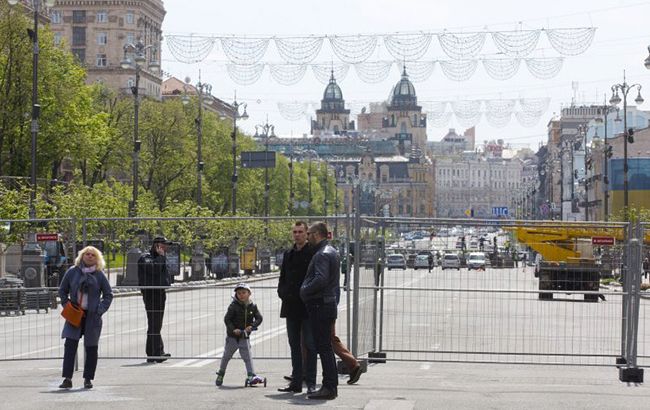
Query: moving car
{"points": [[395, 261], [450, 261], [421, 261], [476, 261]]}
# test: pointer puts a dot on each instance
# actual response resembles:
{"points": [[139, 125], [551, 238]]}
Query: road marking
{"points": [[425, 366], [390, 405], [257, 339]]}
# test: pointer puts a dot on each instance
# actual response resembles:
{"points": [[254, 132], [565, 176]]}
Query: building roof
{"points": [[403, 95]]}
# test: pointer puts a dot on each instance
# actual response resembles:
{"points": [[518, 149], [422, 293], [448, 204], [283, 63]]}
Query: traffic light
{"points": [[575, 173], [608, 151], [630, 135]]}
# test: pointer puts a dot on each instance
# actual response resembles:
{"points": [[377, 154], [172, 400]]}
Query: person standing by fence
{"points": [[299, 332], [153, 278], [319, 293], [86, 286]]}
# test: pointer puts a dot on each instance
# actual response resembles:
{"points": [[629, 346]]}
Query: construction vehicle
{"points": [[567, 259]]}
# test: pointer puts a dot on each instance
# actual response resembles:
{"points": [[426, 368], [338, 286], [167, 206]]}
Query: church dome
{"points": [[333, 98], [332, 91], [403, 94]]}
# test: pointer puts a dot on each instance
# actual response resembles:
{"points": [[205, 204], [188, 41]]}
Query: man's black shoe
{"points": [[88, 384], [323, 394], [355, 374], [165, 357], [288, 378], [291, 389], [66, 384], [311, 389], [151, 360]]}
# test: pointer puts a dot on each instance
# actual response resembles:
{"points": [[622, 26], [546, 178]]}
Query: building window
{"points": [[102, 38], [78, 36], [130, 83], [79, 16], [130, 38], [101, 60], [129, 17], [57, 38], [102, 16], [55, 17], [80, 54]]}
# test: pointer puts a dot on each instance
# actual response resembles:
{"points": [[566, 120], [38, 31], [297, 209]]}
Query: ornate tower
{"points": [[405, 120], [332, 117]]}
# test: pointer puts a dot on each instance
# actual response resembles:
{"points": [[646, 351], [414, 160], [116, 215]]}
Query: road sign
{"points": [[500, 210], [258, 159], [42, 237], [602, 240]]}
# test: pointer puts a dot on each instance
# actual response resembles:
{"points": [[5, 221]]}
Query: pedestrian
{"points": [[646, 267], [299, 332], [430, 258], [86, 286], [319, 292], [241, 319], [153, 280]]}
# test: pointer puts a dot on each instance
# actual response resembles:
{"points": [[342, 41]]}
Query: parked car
{"points": [[410, 260], [395, 261], [476, 261], [421, 261], [450, 261]]}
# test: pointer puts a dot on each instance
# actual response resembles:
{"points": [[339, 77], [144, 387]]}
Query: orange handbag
{"points": [[73, 314]]}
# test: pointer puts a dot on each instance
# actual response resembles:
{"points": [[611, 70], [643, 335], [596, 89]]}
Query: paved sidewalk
{"points": [[394, 386]]}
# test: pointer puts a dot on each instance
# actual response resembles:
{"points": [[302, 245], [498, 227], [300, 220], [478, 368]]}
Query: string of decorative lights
{"points": [[373, 72], [353, 49]]}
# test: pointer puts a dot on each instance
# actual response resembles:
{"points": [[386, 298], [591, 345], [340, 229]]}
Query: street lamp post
{"points": [[309, 185], [268, 131], [235, 116], [291, 194], [625, 88], [139, 50], [607, 153], [36, 107], [203, 91]]}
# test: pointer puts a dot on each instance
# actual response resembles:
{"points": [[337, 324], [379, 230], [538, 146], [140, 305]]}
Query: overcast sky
{"points": [[621, 40]]}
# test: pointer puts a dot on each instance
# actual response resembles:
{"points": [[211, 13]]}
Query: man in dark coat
{"points": [[320, 292], [152, 272], [292, 274]]}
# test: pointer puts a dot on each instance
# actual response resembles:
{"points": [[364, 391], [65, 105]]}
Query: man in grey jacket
{"points": [[319, 292]]}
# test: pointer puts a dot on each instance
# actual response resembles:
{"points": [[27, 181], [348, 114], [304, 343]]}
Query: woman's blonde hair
{"points": [[98, 255]]}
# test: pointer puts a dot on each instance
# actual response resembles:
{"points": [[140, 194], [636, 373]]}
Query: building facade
{"points": [[96, 32]]}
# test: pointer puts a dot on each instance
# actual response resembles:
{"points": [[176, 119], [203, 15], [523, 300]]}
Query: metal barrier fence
{"points": [[518, 308]]}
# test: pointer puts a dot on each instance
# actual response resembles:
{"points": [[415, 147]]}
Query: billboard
{"points": [[638, 176]]}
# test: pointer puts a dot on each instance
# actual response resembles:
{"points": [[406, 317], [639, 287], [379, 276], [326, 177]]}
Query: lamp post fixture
{"points": [[607, 153], [139, 59], [647, 60], [204, 96], [309, 185], [235, 116], [36, 107], [624, 88], [268, 131], [291, 194]]}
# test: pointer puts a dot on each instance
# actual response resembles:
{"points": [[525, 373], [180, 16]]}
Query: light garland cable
{"points": [[353, 49], [323, 72], [245, 74], [459, 70], [288, 74], [571, 41], [544, 68], [419, 71], [241, 50], [519, 43], [299, 50], [408, 46], [501, 68], [293, 111], [358, 48], [373, 71]]}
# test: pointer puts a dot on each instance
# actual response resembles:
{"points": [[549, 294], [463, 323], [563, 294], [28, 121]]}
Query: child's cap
{"points": [[242, 286]]}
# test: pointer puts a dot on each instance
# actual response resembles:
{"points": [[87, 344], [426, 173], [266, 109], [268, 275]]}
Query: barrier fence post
{"points": [[630, 372], [620, 361], [357, 261]]}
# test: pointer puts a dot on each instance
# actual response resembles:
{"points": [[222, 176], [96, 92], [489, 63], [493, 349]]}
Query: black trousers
{"points": [[90, 363], [154, 304], [301, 340], [322, 318]]}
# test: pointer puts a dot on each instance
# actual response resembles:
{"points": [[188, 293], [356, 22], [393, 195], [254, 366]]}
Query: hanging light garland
{"points": [[190, 48]]}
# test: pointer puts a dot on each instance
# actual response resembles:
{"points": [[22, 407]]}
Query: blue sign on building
{"points": [[500, 210]]}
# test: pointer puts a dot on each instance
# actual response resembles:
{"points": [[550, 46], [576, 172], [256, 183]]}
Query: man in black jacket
{"points": [[292, 274], [320, 292], [152, 271]]}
